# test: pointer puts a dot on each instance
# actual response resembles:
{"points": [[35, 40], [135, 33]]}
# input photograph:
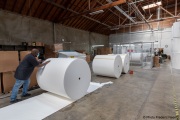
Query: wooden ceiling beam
{"points": [[22, 7], [45, 16], [62, 7], [72, 21], [103, 7], [29, 11], [14, 6], [65, 10], [37, 9]]}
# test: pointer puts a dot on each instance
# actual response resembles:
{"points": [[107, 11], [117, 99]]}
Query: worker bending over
{"points": [[23, 73]]}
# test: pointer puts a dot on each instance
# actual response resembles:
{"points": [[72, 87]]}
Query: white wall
{"points": [[161, 38]]}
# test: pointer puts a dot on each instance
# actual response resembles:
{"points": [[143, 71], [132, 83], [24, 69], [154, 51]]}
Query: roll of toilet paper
{"points": [[125, 62], [68, 77], [107, 65], [136, 57]]}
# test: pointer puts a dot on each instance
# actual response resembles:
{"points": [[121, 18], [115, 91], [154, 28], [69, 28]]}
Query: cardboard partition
{"points": [[23, 54], [33, 79], [9, 60], [8, 81]]}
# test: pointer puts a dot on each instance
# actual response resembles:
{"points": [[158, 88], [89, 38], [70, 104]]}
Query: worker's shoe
{"points": [[15, 101], [26, 95]]}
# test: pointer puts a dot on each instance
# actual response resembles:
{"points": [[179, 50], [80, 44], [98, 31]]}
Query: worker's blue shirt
{"points": [[26, 67]]}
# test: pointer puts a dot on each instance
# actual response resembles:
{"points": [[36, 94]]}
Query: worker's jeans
{"points": [[16, 87]]}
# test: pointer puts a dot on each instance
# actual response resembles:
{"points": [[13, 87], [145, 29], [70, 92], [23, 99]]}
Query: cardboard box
{"points": [[88, 58], [0, 85], [50, 50], [39, 43], [9, 60], [8, 81], [156, 61], [33, 79], [104, 50], [29, 44], [53, 48], [58, 47], [23, 54], [51, 55]]}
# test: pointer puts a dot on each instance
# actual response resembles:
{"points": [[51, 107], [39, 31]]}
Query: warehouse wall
{"points": [[15, 29], [161, 38], [74, 39]]}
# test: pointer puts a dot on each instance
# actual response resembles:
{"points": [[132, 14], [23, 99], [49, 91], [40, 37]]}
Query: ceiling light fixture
{"points": [[96, 12], [151, 5]]}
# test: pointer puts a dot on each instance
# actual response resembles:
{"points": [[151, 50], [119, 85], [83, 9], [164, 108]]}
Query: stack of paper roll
{"points": [[107, 65], [66, 77], [125, 62], [136, 57], [175, 45]]}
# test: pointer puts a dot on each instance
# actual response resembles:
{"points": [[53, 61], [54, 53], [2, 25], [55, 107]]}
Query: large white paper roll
{"points": [[68, 77], [125, 62], [176, 30], [136, 57], [175, 60], [107, 65], [175, 44]]}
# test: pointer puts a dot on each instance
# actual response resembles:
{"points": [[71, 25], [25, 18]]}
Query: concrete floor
{"points": [[146, 93]]}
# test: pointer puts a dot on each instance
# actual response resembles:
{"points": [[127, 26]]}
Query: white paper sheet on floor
{"points": [[107, 65], [41, 106], [67, 77]]}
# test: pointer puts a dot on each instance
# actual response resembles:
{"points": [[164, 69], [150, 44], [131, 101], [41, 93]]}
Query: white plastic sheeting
{"points": [[72, 55], [66, 77], [107, 65]]}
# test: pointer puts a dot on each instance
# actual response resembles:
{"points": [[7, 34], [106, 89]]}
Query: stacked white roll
{"points": [[107, 65], [136, 57], [175, 46], [66, 77], [125, 62]]}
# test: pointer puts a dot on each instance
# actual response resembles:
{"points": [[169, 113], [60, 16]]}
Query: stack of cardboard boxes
{"points": [[104, 51], [156, 61], [51, 51], [9, 61], [88, 57]]}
